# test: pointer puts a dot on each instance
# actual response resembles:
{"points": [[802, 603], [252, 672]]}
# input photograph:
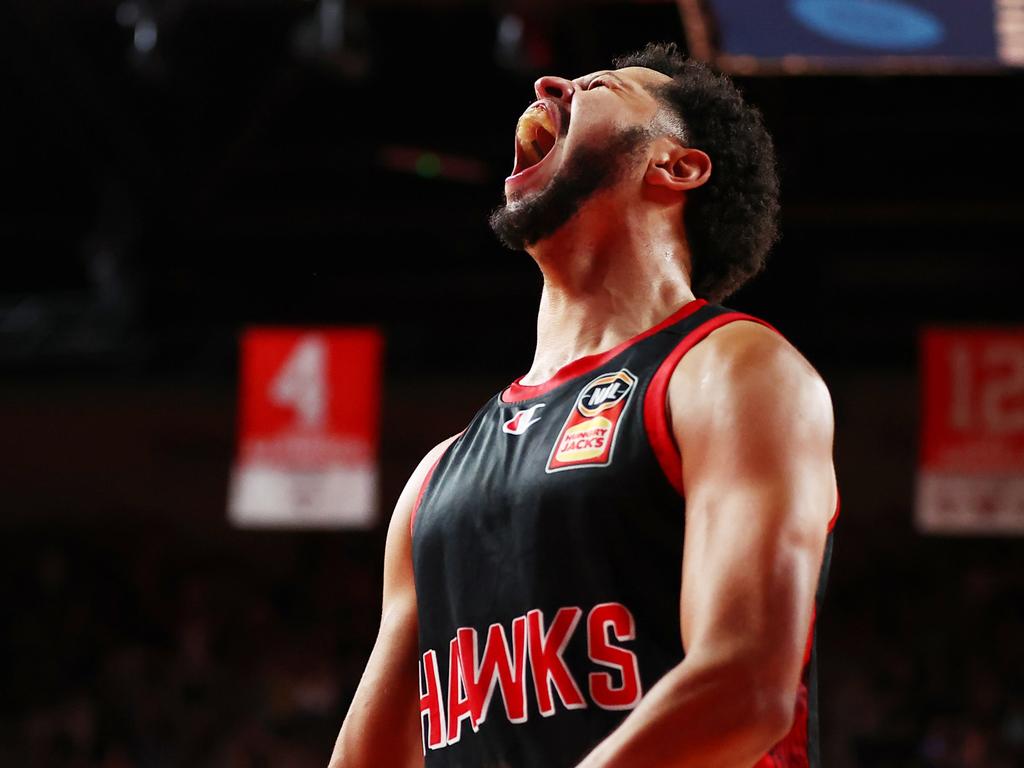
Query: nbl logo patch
{"points": [[588, 435]]}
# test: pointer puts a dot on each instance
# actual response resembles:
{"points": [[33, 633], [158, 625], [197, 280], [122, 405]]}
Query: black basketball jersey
{"points": [[547, 551]]}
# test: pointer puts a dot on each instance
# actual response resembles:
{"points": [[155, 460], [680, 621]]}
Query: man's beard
{"points": [[588, 171]]}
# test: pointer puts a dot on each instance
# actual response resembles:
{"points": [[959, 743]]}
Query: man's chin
{"points": [[508, 226], [525, 220], [536, 215]]}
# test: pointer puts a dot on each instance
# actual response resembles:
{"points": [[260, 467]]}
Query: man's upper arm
{"points": [[382, 727], [754, 425]]}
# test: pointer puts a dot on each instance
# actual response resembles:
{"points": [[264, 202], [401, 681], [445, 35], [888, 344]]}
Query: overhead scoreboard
{"points": [[883, 36]]}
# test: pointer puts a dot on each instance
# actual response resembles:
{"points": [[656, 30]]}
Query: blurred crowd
{"points": [[150, 650], [921, 655], [154, 653]]}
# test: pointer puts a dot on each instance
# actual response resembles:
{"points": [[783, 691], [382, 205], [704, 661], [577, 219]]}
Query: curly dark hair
{"points": [[732, 220]]}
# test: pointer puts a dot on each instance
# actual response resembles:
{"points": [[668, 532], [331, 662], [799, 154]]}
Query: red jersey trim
{"points": [[792, 749], [517, 392], [659, 432]]}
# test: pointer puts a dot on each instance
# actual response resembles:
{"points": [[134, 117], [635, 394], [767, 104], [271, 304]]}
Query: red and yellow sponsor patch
{"points": [[588, 435]]}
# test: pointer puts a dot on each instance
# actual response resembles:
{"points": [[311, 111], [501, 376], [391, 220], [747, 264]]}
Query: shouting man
{"points": [[618, 563]]}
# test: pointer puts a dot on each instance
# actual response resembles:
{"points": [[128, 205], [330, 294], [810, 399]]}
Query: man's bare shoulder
{"points": [[746, 351], [748, 372], [744, 348]]}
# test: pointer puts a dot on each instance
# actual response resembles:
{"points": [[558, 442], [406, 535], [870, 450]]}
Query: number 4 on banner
{"points": [[302, 383], [308, 428]]}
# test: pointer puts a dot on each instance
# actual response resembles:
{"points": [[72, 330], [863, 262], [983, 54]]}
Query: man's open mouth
{"points": [[536, 134]]}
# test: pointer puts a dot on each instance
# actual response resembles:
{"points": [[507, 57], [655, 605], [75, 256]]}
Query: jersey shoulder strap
{"points": [[690, 330]]}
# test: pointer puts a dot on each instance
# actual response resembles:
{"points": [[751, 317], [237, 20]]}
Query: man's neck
{"points": [[605, 284]]}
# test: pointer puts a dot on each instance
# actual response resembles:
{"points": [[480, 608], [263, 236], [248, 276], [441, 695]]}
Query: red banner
{"points": [[971, 476], [308, 428]]}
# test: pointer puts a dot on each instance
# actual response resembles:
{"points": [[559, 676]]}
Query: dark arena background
{"points": [[185, 175]]}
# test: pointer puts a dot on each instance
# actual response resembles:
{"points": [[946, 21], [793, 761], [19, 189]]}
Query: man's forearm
{"points": [[700, 715]]}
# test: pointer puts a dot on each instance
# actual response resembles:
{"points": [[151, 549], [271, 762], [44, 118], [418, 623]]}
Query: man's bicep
{"points": [[750, 571], [755, 439], [382, 726]]}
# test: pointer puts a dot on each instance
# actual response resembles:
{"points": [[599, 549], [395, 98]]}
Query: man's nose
{"points": [[551, 87]]}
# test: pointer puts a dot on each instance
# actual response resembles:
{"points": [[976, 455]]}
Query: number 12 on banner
{"points": [[971, 473]]}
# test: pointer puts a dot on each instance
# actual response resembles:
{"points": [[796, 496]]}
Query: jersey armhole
{"points": [[656, 421], [426, 480]]}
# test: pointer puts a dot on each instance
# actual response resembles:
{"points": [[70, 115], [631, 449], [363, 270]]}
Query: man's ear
{"points": [[675, 167]]}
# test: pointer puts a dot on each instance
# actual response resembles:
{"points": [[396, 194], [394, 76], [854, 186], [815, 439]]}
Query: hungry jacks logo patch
{"points": [[588, 435]]}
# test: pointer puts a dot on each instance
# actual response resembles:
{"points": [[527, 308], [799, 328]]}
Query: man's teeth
{"points": [[543, 118], [526, 132], [536, 123]]}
